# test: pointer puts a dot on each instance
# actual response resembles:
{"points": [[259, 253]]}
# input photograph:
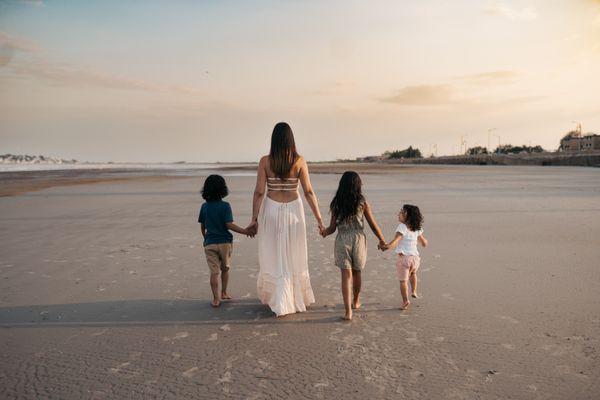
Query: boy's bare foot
{"points": [[215, 303], [356, 305], [405, 305], [416, 296], [225, 296]]}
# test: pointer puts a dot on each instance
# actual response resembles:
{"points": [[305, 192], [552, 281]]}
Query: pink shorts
{"points": [[406, 265]]}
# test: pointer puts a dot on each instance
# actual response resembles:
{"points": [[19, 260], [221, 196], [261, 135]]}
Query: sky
{"points": [[206, 81]]}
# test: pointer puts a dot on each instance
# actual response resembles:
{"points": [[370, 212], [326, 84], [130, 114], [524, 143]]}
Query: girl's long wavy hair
{"points": [[414, 218], [283, 154], [348, 198]]}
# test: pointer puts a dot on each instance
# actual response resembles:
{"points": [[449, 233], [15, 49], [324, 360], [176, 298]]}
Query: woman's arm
{"points": [[422, 240], [331, 228], [373, 224], [309, 194], [259, 192]]}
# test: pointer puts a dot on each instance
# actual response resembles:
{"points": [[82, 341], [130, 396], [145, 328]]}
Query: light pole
{"points": [[498, 136], [463, 142], [489, 138], [435, 147]]}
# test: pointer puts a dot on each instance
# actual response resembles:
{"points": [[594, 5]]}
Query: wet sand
{"points": [[104, 294]]}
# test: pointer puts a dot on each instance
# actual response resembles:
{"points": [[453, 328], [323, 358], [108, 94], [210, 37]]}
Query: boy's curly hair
{"points": [[414, 218], [214, 188]]}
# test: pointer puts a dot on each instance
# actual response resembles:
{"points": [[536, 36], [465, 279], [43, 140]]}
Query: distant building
{"points": [[574, 141]]}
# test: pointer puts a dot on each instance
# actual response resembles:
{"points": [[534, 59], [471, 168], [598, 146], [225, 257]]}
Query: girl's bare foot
{"points": [[405, 305], [348, 316], [215, 303], [416, 296], [356, 305], [225, 296]]}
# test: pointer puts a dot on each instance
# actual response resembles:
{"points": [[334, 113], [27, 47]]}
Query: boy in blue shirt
{"points": [[216, 220]]}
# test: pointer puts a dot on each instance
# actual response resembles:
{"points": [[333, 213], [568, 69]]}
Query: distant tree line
{"points": [[505, 149], [410, 152]]}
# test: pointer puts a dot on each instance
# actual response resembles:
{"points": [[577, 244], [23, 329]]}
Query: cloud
{"points": [[423, 95], [36, 65], [70, 75], [10, 45], [503, 10], [489, 78]]}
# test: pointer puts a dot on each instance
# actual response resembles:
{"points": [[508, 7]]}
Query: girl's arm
{"points": [[331, 228], [373, 224], [309, 194], [203, 230], [259, 192], [422, 240], [395, 240]]}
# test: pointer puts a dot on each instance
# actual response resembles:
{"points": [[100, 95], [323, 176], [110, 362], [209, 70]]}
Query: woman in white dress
{"points": [[283, 278]]}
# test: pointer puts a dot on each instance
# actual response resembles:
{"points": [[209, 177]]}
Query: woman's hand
{"points": [[252, 228]]}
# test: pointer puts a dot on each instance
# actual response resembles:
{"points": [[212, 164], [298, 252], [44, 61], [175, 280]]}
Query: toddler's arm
{"points": [[422, 240], [373, 225], [331, 228], [395, 240]]}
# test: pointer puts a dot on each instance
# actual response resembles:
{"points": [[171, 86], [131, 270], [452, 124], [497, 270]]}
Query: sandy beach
{"points": [[104, 293]]}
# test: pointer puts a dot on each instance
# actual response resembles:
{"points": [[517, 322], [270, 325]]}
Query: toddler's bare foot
{"points": [[225, 296], [215, 303], [348, 316], [405, 305], [415, 295]]}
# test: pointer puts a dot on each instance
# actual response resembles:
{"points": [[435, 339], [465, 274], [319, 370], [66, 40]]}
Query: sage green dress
{"points": [[351, 243]]}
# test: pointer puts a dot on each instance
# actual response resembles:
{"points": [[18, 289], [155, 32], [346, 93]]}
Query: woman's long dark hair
{"points": [[414, 218], [348, 197], [283, 152]]}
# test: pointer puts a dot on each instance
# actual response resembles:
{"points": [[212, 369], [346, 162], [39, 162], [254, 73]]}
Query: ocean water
{"points": [[178, 169]]}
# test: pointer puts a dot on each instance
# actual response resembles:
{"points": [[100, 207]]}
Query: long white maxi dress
{"points": [[283, 278]]}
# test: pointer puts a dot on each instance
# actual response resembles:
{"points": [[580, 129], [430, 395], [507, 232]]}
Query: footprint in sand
{"points": [[190, 372], [212, 337], [179, 335], [119, 367], [99, 333], [508, 318], [225, 328], [225, 379]]}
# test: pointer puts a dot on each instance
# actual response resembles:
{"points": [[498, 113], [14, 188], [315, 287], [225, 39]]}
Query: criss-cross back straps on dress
{"points": [[278, 184]]}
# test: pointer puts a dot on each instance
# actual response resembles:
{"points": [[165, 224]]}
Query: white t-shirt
{"points": [[408, 244]]}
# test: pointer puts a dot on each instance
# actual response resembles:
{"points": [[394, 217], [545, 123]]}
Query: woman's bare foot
{"points": [[405, 305], [348, 316], [225, 296], [215, 303], [416, 296]]}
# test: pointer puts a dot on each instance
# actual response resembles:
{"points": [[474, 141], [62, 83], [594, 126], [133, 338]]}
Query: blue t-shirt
{"points": [[214, 215]]}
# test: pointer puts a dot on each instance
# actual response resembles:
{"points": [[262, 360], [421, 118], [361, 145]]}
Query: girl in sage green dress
{"points": [[348, 212]]}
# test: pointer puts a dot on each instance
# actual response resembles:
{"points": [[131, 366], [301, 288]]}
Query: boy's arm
{"points": [[233, 227], [422, 240], [373, 224], [203, 230]]}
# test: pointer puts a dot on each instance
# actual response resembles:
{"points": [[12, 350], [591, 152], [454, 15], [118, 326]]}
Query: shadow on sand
{"points": [[160, 312]]}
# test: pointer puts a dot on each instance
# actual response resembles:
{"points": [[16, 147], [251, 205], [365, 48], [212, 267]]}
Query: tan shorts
{"points": [[218, 256], [407, 265], [350, 251]]}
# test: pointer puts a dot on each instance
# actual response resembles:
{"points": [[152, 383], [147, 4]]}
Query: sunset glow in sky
{"points": [[207, 80]]}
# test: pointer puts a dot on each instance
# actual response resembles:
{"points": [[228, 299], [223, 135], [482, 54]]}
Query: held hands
{"points": [[252, 229], [383, 246]]}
